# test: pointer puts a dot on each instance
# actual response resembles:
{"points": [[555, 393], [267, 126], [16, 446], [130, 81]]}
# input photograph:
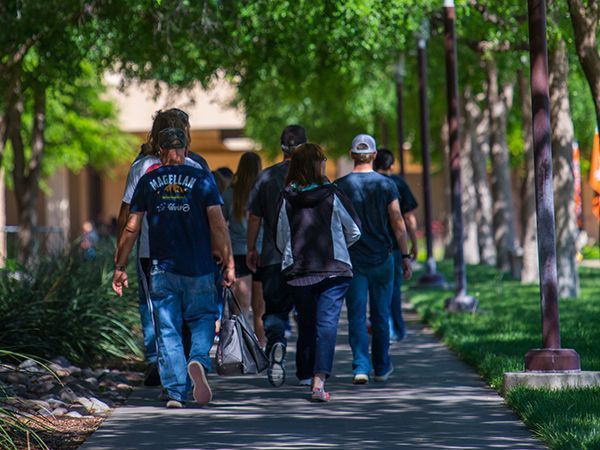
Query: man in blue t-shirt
{"points": [[383, 165], [186, 229], [376, 201]]}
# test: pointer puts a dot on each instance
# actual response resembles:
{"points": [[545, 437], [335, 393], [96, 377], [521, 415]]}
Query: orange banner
{"points": [[577, 185], [595, 166], [595, 175]]}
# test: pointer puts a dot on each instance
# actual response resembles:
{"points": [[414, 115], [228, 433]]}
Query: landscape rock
{"points": [[62, 361], [42, 388], [67, 395], [92, 382], [18, 378], [79, 409], [74, 415], [29, 364], [59, 412], [98, 406]]}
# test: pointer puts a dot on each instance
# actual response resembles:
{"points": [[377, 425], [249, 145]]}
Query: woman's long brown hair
{"points": [[248, 169], [306, 165]]}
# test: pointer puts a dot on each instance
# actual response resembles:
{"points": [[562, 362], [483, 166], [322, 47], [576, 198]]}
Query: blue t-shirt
{"points": [[370, 194], [175, 199]]}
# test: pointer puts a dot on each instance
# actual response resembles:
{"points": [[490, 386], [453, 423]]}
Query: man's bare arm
{"points": [[122, 219], [411, 225], [126, 243], [251, 237], [221, 243], [399, 229]]}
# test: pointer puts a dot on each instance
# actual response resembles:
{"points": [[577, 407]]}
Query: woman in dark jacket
{"points": [[315, 226]]}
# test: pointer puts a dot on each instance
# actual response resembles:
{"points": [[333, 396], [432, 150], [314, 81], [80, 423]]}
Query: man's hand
{"points": [[228, 277], [119, 280], [252, 259], [414, 251], [406, 268]]}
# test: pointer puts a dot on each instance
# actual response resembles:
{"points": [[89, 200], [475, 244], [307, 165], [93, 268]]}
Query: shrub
{"points": [[65, 306]]}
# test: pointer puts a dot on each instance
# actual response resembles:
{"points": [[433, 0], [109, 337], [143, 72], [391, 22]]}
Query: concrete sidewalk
{"points": [[432, 401]]}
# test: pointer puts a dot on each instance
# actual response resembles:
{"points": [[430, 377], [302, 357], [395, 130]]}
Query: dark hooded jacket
{"points": [[314, 228]]}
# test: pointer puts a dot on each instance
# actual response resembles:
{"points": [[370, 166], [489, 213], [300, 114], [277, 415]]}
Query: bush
{"points": [[65, 306]]}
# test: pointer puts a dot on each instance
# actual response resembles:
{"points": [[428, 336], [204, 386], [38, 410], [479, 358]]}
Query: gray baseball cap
{"points": [[363, 143]]}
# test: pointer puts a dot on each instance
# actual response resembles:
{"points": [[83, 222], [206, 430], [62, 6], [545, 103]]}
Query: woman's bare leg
{"points": [[241, 289]]}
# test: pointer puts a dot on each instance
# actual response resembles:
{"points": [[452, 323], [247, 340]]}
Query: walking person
{"points": [[247, 290], [315, 226], [186, 228], [383, 165], [375, 199], [262, 203], [148, 161]]}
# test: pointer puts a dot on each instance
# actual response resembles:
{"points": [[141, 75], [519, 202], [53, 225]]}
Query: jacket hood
{"points": [[308, 198]]}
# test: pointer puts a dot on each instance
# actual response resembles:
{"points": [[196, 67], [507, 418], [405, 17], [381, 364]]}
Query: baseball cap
{"points": [[172, 138], [363, 143], [292, 136]]}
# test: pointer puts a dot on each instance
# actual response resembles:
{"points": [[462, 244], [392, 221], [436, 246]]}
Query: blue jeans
{"points": [[397, 326], [374, 283], [143, 273], [175, 299], [318, 307]]}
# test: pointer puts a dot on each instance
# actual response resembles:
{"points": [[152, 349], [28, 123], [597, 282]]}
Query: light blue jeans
{"points": [[143, 273], [397, 326], [175, 299], [375, 284]]}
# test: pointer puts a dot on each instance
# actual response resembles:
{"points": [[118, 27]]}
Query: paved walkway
{"points": [[432, 401]]}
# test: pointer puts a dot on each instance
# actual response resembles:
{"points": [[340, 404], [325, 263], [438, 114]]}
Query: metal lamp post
{"points": [[551, 357], [400, 74], [461, 301], [431, 278]]}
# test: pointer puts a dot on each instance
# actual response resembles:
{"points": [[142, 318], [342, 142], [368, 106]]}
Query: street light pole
{"points": [[551, 357], [431, 278], [400, 73], [461, 301]]}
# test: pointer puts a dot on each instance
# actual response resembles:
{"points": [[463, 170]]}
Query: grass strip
{"points": [[508, 325]]}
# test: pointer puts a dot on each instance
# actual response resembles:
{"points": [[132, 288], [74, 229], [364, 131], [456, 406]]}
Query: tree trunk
{"points": [[504, 230], [478, 125], [468, 195], [585, 19], [530, 273], [26, 175], [562, 161]]}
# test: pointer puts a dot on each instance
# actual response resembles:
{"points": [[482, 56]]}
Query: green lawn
{"points": [[507, 326]]}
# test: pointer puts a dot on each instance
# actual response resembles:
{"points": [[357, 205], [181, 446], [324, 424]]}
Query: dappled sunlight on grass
{"points": [[506, 327]]}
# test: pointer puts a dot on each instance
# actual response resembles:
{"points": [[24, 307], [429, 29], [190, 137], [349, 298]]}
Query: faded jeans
{"points": [[375, 284], [177, 299]]}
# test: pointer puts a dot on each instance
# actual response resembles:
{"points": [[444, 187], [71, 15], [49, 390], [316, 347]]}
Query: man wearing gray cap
{"points": [[186, 229], [376, 201]]}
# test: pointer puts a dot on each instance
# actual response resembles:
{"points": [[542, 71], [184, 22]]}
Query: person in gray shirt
{"points": [[262, 204]]}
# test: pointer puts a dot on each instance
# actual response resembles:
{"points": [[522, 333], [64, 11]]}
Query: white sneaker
{"points": [[305, 382], [385, 376], [276, 371], [175, 404], [360, 378]]}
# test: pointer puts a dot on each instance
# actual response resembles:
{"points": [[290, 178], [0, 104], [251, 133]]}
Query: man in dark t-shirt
{"points": [[383, 165], [375, 199], [262, 204], [185, 227]]}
